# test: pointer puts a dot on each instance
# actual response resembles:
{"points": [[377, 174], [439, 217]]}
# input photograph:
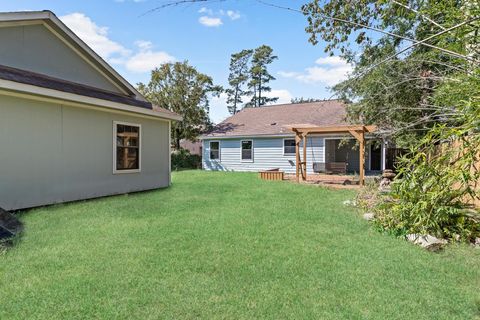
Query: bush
{"points": [[182, 159], [438, 178]]}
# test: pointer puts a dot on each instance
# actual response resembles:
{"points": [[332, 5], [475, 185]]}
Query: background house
{"points": [[71, 127], [258, 139]]}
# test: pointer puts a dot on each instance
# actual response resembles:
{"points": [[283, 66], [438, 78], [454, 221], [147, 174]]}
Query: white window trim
{"points": [[219, 150], [283, 148], [115, 124], [241, 151]]}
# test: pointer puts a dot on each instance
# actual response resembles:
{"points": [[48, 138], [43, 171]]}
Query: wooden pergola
{"points": [[301, 133]]}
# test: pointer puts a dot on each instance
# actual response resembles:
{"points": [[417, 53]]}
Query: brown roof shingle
{"points": [[278, 119], [44, 81]]}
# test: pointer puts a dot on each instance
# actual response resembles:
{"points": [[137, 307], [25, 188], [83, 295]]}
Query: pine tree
{"points": [[260, 77], [239, 76]]}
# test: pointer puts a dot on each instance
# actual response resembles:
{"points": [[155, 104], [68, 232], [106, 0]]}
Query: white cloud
{"points": [[212, 18], [147, 59], [143, 59], [234, 15], [95, 36], [331, 61], [206, 10], [144, 45], [284, 96], [210, 21], [328, 71]]}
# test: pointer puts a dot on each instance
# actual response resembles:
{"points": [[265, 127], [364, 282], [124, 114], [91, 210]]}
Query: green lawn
{"points": [[228, 246]]}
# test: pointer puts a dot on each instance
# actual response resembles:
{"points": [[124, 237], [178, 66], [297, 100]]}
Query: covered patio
{"points": [[331, 164]]}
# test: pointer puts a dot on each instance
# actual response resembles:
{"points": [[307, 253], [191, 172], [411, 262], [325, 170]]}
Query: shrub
{"points": [[182, 159], [437, 180]]}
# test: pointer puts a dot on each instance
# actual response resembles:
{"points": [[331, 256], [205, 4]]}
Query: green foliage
{"points": [[179, 87], [238, 78], [250, 68], [437, 180], [182, 159], [393, 90]]}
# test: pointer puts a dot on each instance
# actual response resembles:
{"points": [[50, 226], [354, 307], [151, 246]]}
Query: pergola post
{"points": [[362, 159], [297, 155], [304, 164]]}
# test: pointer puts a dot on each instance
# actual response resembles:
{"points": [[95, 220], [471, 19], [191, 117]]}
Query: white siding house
{"points": [[268, 153], [258, 139]]}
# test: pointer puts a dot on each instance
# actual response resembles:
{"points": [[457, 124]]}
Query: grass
{"points": [[227, 246]]}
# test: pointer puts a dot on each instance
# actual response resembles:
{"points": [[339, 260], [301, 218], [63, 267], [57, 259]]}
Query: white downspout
{"points": [[384, 155]]}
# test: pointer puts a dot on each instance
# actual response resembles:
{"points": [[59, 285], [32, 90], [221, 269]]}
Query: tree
{"points": [[180, 88], [260, 77], [420, 83], [239, 76], [403, 53]]}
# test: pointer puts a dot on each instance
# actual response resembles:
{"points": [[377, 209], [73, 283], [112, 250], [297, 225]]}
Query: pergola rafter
{"points": [[301, 133]]}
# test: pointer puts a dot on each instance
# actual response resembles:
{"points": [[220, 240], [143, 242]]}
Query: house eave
{"points": [[11, 88], [224, 137]]}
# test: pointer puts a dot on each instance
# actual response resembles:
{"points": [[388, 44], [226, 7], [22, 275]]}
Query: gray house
{"points": [[257, 139], [71, 127]]}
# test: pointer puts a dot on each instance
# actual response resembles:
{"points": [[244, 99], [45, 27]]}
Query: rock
{"points": [[389, 176], [350, 203], [385, 185], [477, 243], [428, 242], [385, 182], [369, 216]]}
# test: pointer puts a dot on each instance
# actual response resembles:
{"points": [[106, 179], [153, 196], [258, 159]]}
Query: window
{"points": [[127, 147], [288, 147], [214, 150], [247, 150]]}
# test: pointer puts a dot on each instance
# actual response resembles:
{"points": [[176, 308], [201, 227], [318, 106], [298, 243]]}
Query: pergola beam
{"points": [[357, 131]]}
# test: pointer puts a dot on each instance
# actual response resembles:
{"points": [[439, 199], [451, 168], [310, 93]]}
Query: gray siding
{"points": [[54, 153], [267, 154], [35, 48]]}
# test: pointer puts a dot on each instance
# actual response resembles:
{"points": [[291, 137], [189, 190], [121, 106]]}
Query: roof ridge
{"points": [[291, 104]]}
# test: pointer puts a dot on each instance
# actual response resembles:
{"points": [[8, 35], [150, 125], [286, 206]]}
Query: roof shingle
{"points": [[278, 119]]}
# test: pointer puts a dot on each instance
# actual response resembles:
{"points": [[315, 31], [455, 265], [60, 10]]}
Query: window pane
{"points": [[214, 155], [128, 151], [214, 150], [127, 158], [289, 146], [247, 150], [246, 145], [246, 154], [214, 145]]}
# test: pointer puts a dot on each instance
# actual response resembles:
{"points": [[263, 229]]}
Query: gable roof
{"points": [[279, 119], [24, 80], [54, 24]]}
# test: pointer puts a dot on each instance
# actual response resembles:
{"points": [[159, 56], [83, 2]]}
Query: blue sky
{"points": [[204, 34]]}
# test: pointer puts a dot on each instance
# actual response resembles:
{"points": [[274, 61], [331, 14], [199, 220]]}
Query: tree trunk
{"points": [[236, 99], [177, 139], [259, 90]]}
